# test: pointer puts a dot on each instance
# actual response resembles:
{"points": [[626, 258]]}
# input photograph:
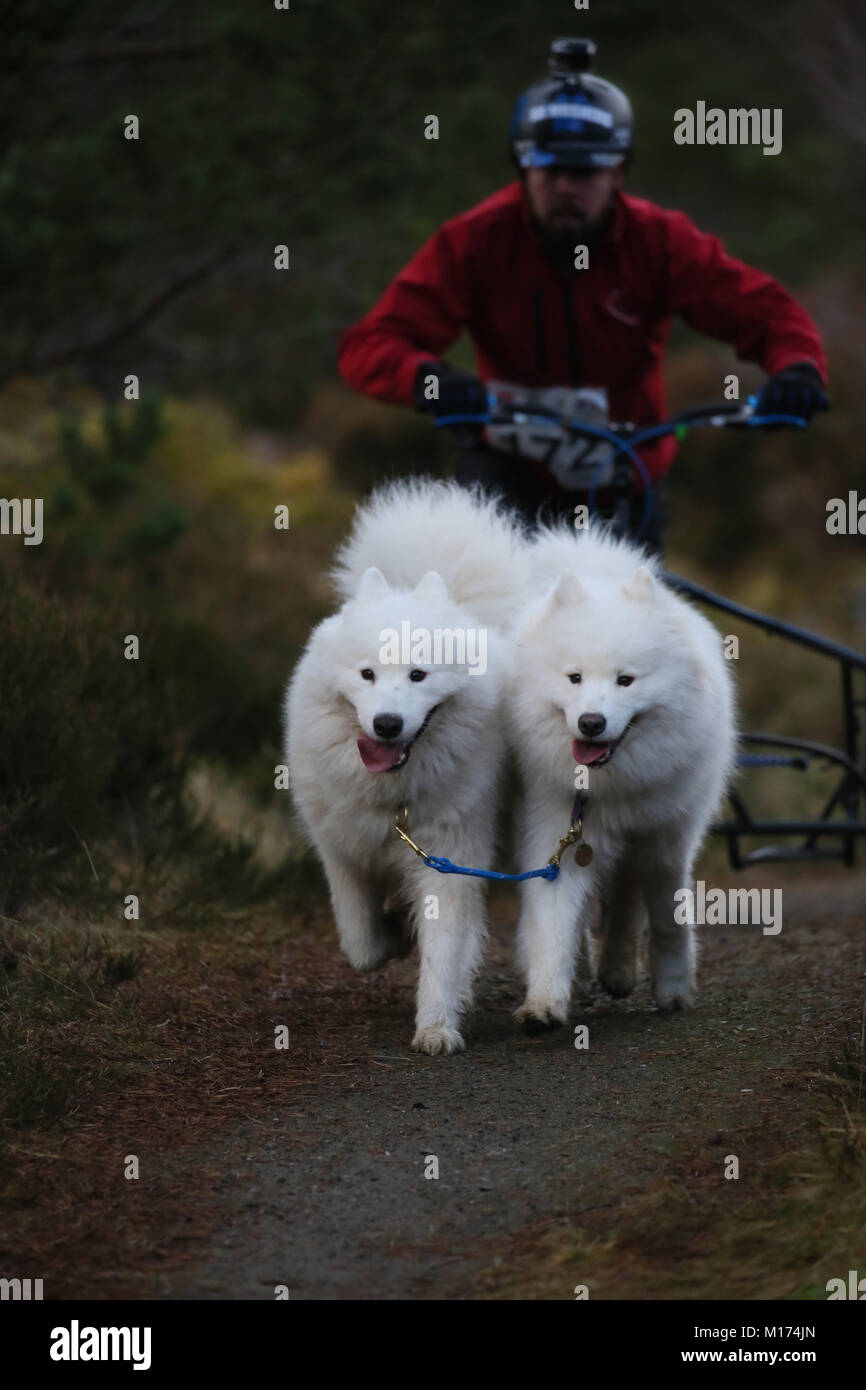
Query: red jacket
{"points": [[606, 326]]}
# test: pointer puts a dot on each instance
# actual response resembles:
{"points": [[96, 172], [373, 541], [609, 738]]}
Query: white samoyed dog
{"points": [[396, 702], [620, 687]]}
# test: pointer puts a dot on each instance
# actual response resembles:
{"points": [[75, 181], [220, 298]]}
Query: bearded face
{"points": [[570, 207]]}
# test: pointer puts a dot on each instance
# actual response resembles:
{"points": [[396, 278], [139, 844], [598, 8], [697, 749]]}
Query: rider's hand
{"points": [[459, 393], [796, 390]]}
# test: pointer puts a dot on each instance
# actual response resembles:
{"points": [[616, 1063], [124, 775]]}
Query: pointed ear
{"points": [[373, 584], [566, 592], [641, 586], [431, 586]]}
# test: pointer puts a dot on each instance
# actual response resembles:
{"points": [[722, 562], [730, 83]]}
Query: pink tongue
{"points": [[588, 752], [379, 757]]}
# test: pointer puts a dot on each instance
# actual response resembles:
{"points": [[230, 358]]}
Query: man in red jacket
{"points": [[565, 281]]}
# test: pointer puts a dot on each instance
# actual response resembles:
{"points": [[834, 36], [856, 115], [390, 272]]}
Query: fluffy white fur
{"points": [[599, 609], [438, 557]]}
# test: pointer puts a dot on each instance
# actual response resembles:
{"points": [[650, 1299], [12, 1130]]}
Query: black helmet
{"points": [[572, 117]]}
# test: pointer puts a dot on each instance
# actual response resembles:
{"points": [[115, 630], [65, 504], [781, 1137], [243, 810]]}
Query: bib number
{"points": [[577, 464]]}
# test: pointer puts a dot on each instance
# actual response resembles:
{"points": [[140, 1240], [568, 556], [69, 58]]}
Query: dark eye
{"points": [[417, 675], [367, 674], [575, 678], [625, 680]]}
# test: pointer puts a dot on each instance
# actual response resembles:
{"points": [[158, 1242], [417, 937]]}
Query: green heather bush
{"points": [[82, 728]]}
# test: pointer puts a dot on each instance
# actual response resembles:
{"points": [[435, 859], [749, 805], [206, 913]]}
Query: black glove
{"points": [[796, 390], [460, 393]]}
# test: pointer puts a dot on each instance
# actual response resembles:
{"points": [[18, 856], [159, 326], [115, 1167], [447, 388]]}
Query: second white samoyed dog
{"points": [[395, 702], [619, 687]]}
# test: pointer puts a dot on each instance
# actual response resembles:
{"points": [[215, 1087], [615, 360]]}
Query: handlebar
{"points": [[626, 438], [724, 415]]}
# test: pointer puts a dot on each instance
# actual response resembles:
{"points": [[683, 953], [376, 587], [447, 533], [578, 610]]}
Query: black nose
{"points": [[389, 725], [591, 724]]}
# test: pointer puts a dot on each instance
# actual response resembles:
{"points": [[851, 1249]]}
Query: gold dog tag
{"points": [[583, 855]]}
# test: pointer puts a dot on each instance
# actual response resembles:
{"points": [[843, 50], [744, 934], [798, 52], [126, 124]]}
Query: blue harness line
{"points": [[445, 866]]}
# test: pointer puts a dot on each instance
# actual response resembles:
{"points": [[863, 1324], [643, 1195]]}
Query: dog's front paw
{"points": [[436, 1038], [617, 977], [368, 957], [673, 988], [390, 939], [539, 1015]]}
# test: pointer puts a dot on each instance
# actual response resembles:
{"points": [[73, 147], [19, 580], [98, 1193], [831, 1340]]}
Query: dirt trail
{"points": [[535, 1139]]}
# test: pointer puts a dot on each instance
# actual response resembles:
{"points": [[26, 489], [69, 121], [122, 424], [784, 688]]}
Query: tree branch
{"points": [[58, 357], [128, 52]]}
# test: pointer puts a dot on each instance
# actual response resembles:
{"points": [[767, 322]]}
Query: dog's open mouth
{"points": [[389, 755], [596, 752]]}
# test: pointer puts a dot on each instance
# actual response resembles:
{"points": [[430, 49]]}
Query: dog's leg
{"points": [[451, 929], [356, 900], [623, 919], [666, 867], [547, 936]]}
